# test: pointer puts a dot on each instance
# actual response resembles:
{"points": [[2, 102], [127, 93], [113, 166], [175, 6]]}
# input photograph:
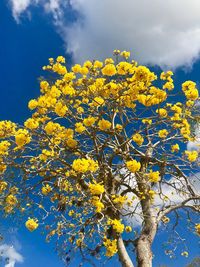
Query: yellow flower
{"points": [[175, 148], [185, 254], [71, 212], [192, 94], [116, 225], [84, 71], [58, 68], [89, 121], [95, 201], [133, 166], [92, 165], [60, 59], [128, 229], [7, 128], [154, 177], [125, 54], [111, 247], [119, 200], [46, 189], [98, 64], [31, 224], [11, 200], [3, 186], [71, 143], [147, 121], [68, 90], [197, 227], [96, 188], [79, 127], [76, 68], [138, 139], [189, 103], [109, 61], [162, 112], [61, 109], [98, 101], [4, 146], [104, 125], [152, 193], [44, 86], [22, 137], [80, 110], [192, 155], [31, 124], [45, 154], [32, 104], [163, 133], [109, 70], [84, 165], [188, 85]]}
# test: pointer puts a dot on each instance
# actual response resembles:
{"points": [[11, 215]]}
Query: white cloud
{"points": [[166, 33], [10, 255], [19, 6]]}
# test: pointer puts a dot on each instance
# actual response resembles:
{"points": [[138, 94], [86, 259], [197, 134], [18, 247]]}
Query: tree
{"points": [[105, 146]]}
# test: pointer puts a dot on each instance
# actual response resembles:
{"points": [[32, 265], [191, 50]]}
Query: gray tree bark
{"points": [[123, 254]]}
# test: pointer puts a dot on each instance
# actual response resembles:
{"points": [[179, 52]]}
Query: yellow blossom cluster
{"points": [[10, 202], [104, 125], [85, 165], [7, 129], [46, 154], [154, 177], [31, 124], [79, 127], [133, 165], [111, 246], [97, 203], [4, 146], [162, 112], [138, 139], [22, 137], [190, 90], [167, 76], [191, 155], [96, 188], [89, 121], [163, 133], [116, 225], [119, 200]]}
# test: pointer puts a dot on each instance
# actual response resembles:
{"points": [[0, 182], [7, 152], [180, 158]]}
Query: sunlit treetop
{"points": [[103, 142]]}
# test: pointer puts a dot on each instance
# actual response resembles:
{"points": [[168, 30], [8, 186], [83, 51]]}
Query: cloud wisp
{"points": [[10, 255], [164, 33]]}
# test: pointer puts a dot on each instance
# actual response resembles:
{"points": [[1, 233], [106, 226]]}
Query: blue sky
{"points": [[33, 31]]}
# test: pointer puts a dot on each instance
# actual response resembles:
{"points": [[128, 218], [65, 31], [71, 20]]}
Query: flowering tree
{"points": [[104, 152]]}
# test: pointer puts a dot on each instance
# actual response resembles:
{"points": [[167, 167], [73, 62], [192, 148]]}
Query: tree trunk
{"points": [[143, 250], [123, 255]]}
